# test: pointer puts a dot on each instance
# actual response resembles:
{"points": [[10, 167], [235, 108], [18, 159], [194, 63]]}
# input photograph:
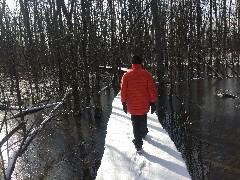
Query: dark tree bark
{"points": [[158, 40]]}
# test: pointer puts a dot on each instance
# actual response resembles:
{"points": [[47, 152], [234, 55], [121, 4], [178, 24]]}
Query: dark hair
{"points": [[136, 59]]}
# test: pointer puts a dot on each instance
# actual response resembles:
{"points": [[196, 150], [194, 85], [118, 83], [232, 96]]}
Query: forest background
{"points": [[62, 50]]}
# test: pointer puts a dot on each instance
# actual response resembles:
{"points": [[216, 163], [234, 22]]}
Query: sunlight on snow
{"points": [[159, 160]]}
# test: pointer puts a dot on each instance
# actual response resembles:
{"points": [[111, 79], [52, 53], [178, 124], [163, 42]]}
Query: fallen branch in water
{"points": [[28, 136], [33, 110]]}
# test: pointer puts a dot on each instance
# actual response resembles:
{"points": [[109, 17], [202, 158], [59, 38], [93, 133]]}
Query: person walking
{"points": [[138, 94]]}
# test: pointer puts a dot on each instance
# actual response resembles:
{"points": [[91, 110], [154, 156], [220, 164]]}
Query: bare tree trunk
{"points": [[238, 27], [198, 48], [159, 57], [85, 25], [210, 37], [158, 40], [217, 58], [224, 40]]}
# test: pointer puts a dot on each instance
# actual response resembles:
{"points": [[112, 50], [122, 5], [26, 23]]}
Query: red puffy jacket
{"points": [[138, 90]]}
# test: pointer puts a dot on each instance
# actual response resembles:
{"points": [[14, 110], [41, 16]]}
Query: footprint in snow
{"points": [[142, 165]]}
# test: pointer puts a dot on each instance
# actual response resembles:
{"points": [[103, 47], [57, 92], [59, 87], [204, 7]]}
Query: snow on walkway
{"points": [[159, 160]]}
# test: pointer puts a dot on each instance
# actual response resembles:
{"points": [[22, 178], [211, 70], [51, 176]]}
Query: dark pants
{"points": [[140, 129]]}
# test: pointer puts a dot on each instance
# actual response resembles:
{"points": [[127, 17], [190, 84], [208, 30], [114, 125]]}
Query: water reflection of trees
{"points": [[178, 124], [79, 149]]}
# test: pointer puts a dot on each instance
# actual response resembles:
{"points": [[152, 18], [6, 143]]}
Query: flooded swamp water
{"points": [[204, 127], [55, 152]]}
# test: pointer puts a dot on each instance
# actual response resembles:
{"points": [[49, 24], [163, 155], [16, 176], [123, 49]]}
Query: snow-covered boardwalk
{"points": [[159, 160]]}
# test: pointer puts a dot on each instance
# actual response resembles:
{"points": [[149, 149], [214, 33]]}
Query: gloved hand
{"points": [[124, 107], [153, 107]]}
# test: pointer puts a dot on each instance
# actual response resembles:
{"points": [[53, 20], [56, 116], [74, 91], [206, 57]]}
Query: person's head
{"points": [[136, 59]]}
